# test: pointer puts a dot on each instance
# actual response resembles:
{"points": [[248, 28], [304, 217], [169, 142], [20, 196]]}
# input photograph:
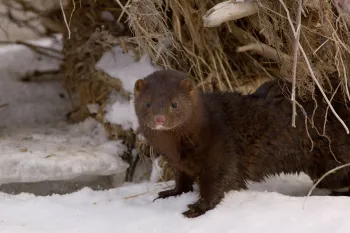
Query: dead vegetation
{"points": [[255, 47]]}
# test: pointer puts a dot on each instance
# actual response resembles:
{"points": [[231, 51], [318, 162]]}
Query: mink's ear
{"points": [[139, 86], [188, 84]]}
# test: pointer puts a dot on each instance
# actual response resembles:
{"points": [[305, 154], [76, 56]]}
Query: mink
{"points": [[224, 139]]}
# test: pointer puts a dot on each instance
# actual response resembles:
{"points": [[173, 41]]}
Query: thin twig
{"points": [[307, 119], [65, 19], [295, 61], [3, 105], [41, 76], [136, 195], [4, 30], [19, 42], [326, 114], [46, 51], [123, 11], [326, 174], [71, 14], [123, 8], [264, 50], [319, 47]]}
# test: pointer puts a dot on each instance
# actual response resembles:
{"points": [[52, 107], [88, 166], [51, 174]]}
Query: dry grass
{"points": [[211, 53]]}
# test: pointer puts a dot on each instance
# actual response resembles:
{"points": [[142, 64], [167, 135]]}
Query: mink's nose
{"points": [[159, 119]]}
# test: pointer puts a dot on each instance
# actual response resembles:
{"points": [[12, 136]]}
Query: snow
{"points": [[122, 113], [122, 65], [130, 209]]}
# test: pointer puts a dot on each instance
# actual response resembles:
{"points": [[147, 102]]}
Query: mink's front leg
{"points": [[212, 191], [183, 184]]}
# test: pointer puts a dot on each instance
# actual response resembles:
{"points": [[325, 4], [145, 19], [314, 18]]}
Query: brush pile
{"points": [[200, 37]]}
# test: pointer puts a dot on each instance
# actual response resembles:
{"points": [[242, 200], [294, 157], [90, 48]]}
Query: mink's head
{"points": [[164, 100]]}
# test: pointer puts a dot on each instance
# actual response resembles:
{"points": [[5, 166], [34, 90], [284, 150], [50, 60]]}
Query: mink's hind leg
{"points": [[183, 184], [339, 193]]}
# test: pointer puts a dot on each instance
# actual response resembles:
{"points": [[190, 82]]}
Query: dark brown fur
{"points": [[226, 139]]}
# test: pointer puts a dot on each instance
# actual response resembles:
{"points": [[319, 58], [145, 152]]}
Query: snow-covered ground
{"points": [[130, 209], [37, 144]]}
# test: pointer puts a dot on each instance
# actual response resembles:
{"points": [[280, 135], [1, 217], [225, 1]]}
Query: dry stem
{"points": [[264, 50], [295, 61], [46, 51], [65, 19], [326, 114], [3, 105], [124, 9], [71, 14]]}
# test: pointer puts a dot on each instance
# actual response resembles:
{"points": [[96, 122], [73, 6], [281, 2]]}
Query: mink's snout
{"points": [[159, 119]]}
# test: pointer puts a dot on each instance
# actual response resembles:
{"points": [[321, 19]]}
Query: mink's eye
{"points": [[148, 104], [174, 105]]}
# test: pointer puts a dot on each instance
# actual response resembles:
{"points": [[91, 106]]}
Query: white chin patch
{"points": [[160, 127]]}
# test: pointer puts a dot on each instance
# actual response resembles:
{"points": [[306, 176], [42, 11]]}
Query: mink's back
{"points": [[257, 128]]}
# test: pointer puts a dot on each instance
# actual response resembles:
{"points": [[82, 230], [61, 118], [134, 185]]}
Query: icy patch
{"points": [[64, 152]]}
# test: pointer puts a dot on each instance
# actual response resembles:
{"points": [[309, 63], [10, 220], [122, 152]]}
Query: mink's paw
{"points": [[193, 213], [196, 209], [199, 208]]}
